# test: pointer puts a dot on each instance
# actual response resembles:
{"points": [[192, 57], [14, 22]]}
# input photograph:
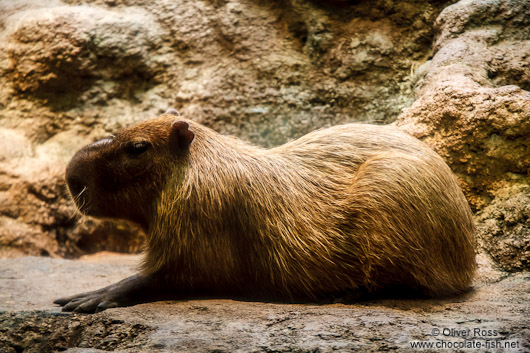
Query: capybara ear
{"points": [[172, 111], [181, 136]]}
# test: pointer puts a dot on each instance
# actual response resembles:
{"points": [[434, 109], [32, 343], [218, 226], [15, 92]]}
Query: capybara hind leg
{"points": [[417, 225], [132, 290]]}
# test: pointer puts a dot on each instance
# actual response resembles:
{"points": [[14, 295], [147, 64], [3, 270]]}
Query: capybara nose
{"points": [[75, 184]]}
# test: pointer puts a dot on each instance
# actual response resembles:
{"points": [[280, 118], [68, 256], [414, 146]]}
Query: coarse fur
{"points": [[348, 208]]}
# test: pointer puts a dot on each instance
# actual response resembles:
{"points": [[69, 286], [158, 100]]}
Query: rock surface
{"points": [[504, 229], [473, 103], [495, 313]]}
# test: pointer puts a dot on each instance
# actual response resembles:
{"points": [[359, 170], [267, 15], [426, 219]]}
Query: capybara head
{"points": [[118, 176]]}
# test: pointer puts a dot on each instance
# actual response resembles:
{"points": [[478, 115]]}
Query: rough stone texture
{"points": [[504, 229], [255, 69], [496, 311], [473, 104]]}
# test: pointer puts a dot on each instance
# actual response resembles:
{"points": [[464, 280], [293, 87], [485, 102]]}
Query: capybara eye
{"points": [[136, 148]]}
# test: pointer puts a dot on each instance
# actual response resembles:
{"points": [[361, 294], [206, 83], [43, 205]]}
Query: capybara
{"points": [[347, 209]]}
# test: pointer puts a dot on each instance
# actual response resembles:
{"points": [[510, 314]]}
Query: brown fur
{"points": [[340, 209]]}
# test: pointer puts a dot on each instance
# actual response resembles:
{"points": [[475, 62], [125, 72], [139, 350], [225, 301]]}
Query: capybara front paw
{"points": [[132, 290], [91, 302]]}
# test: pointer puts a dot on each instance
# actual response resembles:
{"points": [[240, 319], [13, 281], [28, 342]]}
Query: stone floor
{"points": [[494, 317]]}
